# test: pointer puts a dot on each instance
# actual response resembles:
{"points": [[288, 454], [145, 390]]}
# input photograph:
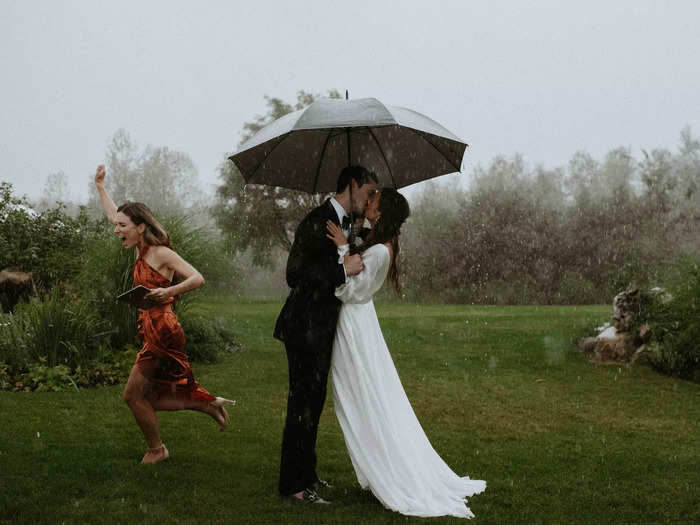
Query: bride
{"points": [[390, 452]]}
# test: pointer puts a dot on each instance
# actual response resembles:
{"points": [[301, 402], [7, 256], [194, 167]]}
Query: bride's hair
{"points": [[394, 211], [139, 213]]}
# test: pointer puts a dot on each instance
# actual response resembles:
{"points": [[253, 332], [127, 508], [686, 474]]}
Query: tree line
{"points": [[515, 234], [504, 233], [576, 234]]}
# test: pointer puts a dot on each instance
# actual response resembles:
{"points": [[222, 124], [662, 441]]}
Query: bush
{"points": [[675, 323], [54, 345], [107, 272], [64, 340], [50, 331], [110, 369], [48, 244], [207, 338]]}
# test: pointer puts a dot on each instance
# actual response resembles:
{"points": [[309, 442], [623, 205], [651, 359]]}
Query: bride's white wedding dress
{"points": [[388, 448]]}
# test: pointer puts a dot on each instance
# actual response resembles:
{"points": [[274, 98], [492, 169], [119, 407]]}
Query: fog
{"points": [[544, 79]]}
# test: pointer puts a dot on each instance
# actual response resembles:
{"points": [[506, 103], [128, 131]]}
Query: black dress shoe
{"points": [[322, 484]]}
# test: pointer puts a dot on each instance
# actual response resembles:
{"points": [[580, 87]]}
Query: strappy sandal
{"points": [[162, 454], [218, 404]]}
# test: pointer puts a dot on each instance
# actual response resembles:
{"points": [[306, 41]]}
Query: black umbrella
{"points": [[306, 150]]}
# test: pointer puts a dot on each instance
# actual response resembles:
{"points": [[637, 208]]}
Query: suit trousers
{"points": [[308, 378]]}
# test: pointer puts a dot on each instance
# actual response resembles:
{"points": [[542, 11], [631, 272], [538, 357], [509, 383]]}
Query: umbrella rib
{"points": [[267, 157], [320, 160], [434, 147], [383, 156]]}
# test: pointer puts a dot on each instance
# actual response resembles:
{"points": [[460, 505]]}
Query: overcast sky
{"points": [[543, 78]]}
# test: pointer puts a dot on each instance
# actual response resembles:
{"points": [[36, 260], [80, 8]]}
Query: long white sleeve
{"points": [[361, 288]]}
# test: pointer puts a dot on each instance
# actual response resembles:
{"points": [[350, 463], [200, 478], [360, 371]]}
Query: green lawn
{"points": [[500, 391]]}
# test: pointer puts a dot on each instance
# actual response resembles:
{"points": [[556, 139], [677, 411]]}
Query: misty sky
{"points": [[543, 78]]}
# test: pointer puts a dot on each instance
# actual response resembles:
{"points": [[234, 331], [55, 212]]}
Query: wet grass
{"points": [[500, 391]]}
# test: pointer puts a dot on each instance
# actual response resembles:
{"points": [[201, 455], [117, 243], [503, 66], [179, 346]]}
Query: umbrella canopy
{"points": [[306, 150]]}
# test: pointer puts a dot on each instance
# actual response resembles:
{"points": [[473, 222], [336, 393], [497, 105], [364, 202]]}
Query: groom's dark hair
{"points": [[360, 174]]}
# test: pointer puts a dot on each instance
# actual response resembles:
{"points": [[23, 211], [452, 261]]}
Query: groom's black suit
{"points": [[307, 326]]}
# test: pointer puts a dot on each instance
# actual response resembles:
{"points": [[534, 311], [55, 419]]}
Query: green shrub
{"points": [[43, 378], [63, 341], [14, 353], [674, 319], [107, 369], [65, 334], [206, 338], [5, 377], [47, 244], [54, 345], [107, 272], [52, 330], [110, 368]]}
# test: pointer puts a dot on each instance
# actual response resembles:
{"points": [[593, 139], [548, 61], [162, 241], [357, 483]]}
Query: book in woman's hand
{"points": [[137, 297]]}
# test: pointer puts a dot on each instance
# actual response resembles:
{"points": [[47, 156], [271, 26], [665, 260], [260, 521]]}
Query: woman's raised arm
{"points": [[107, 203]]}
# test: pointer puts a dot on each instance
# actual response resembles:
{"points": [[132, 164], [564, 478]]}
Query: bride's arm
{"points": [[361, 288]]}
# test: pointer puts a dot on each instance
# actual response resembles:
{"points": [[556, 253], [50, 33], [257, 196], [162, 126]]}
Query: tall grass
{"points": [[13, 341], [53, 331], [106, 274]]}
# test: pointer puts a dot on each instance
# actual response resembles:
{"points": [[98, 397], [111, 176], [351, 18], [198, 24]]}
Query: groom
{"points": [[307, 324]]}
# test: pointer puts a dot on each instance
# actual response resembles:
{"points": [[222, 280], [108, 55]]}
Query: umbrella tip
{"points": [[346, 94]]}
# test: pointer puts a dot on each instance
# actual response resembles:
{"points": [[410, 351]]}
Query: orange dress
{"points": [[162, 359]]}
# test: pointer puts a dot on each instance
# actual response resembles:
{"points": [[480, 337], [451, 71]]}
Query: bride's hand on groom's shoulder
{"points": [[335, 233]]}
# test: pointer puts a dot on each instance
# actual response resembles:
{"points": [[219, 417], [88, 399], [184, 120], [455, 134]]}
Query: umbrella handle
{"points": [[352, 211], [351, 236]]}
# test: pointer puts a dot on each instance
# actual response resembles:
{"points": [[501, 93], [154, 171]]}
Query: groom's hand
{"points": [[353, 264]]}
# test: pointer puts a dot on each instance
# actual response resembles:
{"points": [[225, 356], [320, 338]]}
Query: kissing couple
{"points": [[328, 322]]}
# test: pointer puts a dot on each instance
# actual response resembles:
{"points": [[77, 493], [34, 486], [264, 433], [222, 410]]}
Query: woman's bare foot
{"points": [[154, 455], [218, 412]]}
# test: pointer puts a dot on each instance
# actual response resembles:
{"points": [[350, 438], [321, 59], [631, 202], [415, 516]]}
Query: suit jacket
{"points": [[310, 313]]}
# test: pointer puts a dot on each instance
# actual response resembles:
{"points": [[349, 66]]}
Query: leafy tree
{"points": [[263, 218], [513, 226], [432, 249], [687, 167], [55, 191], [165, 180], [659, 181], [566, 235]]}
